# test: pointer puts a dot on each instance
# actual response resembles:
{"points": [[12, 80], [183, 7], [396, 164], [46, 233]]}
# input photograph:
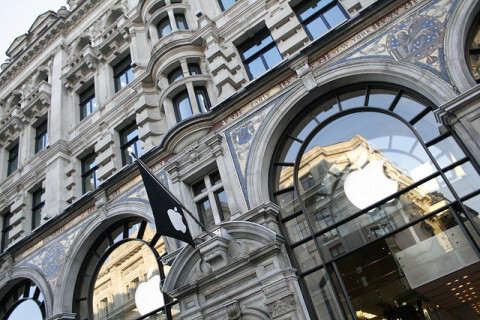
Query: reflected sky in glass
{"points": [[28, 309]]}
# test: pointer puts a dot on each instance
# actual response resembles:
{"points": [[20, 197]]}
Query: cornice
{"points": [[62, 26]]}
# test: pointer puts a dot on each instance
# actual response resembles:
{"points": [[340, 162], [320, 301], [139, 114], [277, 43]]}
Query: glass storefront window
{"points": [[376, 181], [127, 275]]}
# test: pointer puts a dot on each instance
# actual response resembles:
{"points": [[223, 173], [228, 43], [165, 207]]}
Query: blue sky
{"points": [[16, 17]]}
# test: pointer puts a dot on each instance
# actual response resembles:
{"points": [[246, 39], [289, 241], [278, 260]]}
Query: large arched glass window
{"points": [[23, 301], [380, 206], [121, 276]]}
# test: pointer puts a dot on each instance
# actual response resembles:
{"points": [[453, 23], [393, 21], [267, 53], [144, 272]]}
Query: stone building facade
{"points": [[330, 147]]}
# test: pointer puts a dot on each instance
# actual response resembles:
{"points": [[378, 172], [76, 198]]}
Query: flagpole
{"points": [[202, 226]]}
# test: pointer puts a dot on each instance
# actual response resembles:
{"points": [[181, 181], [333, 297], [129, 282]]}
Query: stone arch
{"points": [[113, 17], [455, 39], [397, 73], [26, 272], [103, 219]]}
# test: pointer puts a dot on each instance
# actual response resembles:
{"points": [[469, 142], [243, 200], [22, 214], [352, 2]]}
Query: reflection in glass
{"points": [[411, 274], [27, 309], [128, 282]]}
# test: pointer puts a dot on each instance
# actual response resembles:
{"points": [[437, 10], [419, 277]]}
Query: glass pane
{"points": [[183, 106], [472, 208], [272, 56], [353, 99], [356, 160], [205, 210], [128, 283], [256, 67], [215, 178], [261, 40], [307, 256], [407, 107], [305, 125], [334, 16], [181, 22], [164, 28], [287, 204], [323, 296], [381, 98], [326, 109], [390, 216], [199, 187], [428, 127], [410, 277], [194, 69], [202, 100], [223, 205], [309, 8], [464, 179], [316, 28], [175, 75], [297, 229], [446, 152], [27, 309], [227, 3]]}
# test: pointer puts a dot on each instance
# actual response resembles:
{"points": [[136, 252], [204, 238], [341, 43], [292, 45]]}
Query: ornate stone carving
{"points": [[281, 306], [233, 310]]}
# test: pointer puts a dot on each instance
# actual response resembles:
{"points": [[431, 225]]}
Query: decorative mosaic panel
{"points": [[416, 39], [51, 258], [240, 139]]}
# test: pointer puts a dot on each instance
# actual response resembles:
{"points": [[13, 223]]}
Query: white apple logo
{"points": [[368, 185], [148, 296], [176, 220]]}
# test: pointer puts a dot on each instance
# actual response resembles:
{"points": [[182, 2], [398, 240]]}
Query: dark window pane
{"points": [[222, 204], [41, 136], [225, 4], [12, 160], [123, 73], [183, 108], [181, 22], [163, 27], [199, 187], [206, 214], [175, 75], [194, 68], [202, 99]]}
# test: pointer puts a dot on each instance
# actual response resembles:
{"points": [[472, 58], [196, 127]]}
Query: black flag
{"points": [[167, 211]]}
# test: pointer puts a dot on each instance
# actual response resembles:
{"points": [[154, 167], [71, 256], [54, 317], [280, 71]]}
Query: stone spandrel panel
{"points": [[50, 254], [413, 33], [241, 137]]}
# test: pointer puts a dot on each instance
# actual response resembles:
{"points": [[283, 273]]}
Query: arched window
{"points": [[182, 103], [163, 27], [175, 74], [473, 50], [121, 275], [23, 301], [376, 196]]}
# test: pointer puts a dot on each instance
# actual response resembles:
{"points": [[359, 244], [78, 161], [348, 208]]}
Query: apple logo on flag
{"points": [[368, 185], [148, 296], [176, 220]]}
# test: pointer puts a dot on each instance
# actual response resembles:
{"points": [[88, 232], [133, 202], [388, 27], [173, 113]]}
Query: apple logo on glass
{"points": [[176, 220], [148, 296], [366, 186]]}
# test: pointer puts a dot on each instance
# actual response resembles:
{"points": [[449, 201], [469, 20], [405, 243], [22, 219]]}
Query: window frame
{"points": [[250, 43], [90, 172], [211, 189], [123, 70], [222, 5], [41, 136], [88, 102], [133, 143], [38, 202], [161, 25], [12, 162], [319, 14], [6, 228]]}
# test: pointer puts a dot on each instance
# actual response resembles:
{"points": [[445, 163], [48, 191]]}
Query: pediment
{"points": [[17, 45], [44, 20]]}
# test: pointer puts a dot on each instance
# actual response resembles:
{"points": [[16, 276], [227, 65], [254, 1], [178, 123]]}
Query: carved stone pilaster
{"points": [[281, 307]]}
